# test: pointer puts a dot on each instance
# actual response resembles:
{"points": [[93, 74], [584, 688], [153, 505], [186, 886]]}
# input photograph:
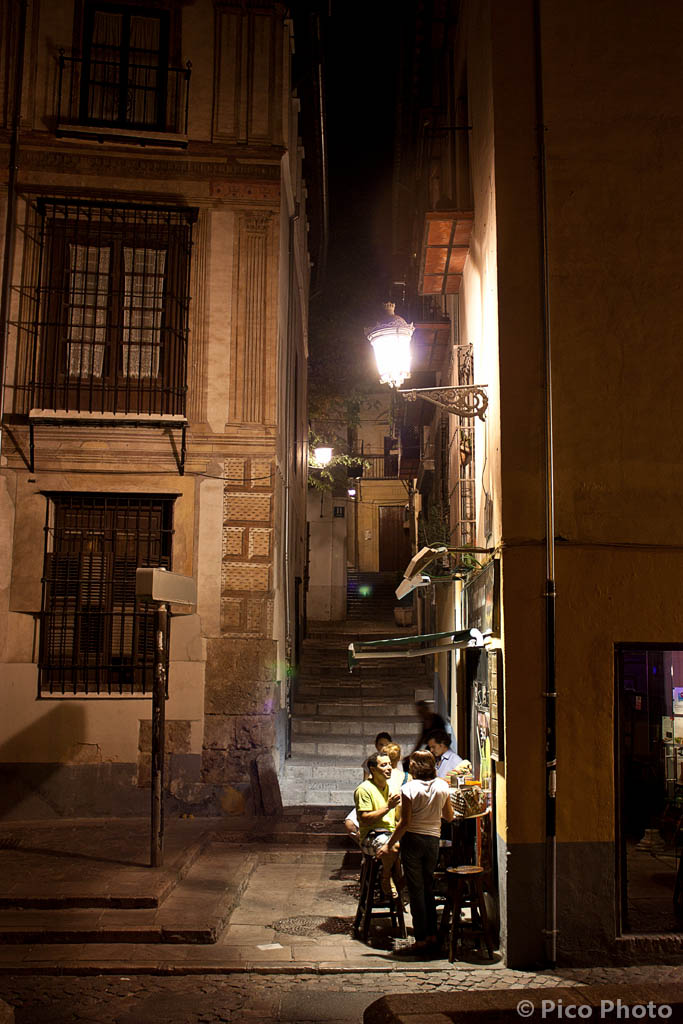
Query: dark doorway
{"points": [[394, 539], [649, 744]]}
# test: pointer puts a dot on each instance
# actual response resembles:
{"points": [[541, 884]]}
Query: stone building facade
{"points": [[551, 132], [155, 393]]}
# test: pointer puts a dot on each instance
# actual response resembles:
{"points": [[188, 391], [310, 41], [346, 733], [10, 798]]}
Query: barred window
{"points": [[125, 66], [113, 308], [95, 638]]}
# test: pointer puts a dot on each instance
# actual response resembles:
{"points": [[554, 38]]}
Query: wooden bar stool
{"points": [[465, 889], [372, 900]]}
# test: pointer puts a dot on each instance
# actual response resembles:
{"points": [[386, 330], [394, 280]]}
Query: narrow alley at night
{"points": [[341, 646]]}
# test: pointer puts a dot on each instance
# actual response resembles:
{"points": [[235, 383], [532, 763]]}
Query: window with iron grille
{"points": [[125, 66], [96, 639], [113, 308]]}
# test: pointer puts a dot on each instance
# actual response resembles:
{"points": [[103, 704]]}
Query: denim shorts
{"points": [[373, 841]]}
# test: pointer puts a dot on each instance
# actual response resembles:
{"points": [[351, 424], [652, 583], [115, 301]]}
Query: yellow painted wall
{"points": [[373, 494], [613, 150]]}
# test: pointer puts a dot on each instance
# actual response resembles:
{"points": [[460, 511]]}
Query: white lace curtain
{"points": [[142, 309], [87, 319], [109, 46], [88, 310]]}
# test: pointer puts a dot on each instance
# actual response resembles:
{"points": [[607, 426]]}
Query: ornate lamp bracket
{"points": [[467, 400]]}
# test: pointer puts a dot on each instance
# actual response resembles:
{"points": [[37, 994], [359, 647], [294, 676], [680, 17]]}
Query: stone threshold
{"points": [[121, 967], [196, 912], [99, 879]]}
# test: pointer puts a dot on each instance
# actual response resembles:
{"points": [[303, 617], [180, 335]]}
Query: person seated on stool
{"points": [[376, 808], [351, 825], [381, 740], [439, 743], [424, 801]]}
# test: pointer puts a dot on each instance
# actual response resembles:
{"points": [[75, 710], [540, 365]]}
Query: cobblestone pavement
{"points": [[338, 998]]}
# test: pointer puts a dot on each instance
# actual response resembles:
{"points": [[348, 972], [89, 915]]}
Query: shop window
{"points": [[111, 332], [95, 637], [649, 749]]}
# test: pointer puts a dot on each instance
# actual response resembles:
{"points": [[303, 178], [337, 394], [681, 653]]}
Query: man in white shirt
{"points": [[439, 743]]}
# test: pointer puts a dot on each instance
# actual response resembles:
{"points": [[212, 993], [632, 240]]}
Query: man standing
{"points": [[429, 720], [439, 743], [376, 810]]}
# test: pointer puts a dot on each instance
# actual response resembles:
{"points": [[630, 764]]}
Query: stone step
{"points": [[378, 684], [319, 784], [349, 683], [329, 748], [366, 729], [317, 797], [367, 709], [195, 912], [337, 647], [360, 678], [359, 703], [360, 700], [330, 774]]}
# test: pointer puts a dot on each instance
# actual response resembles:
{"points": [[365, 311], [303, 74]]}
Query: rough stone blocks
{"points": [[240, 676], [177, 736], [253, 731], [219, 732]]}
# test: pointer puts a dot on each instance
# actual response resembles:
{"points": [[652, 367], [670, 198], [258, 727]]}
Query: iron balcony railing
{"points": [[378, 466], [428, 309], [138, 99]]}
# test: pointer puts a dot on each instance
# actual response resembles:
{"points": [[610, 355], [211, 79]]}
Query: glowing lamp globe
{"points": [[390, 340], [322, 455]]}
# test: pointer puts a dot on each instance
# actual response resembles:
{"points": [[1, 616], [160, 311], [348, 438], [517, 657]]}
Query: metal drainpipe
{"points": [[550, 930], [288, 397], [10, 217]]}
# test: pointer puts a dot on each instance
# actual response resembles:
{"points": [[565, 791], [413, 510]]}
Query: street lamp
{"points": [[390, 339]]}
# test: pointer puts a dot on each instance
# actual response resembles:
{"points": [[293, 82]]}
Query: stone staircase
{"points": [[336, 714], [372, 594]]}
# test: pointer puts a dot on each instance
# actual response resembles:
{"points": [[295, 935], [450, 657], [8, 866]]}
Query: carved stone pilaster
{"points": [[252, 379], [197, 354]]}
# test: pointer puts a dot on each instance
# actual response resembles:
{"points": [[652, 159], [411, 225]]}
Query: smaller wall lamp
{"points": [[322, 455]]}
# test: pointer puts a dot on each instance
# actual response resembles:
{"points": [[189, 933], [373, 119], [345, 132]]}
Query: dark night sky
{"points": [[359, 77], [359, 96]]}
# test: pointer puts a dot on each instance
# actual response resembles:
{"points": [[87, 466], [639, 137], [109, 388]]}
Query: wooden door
{"points": [[394, 539]]}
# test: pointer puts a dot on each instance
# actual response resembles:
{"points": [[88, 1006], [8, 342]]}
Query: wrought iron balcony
{"points": [[428, 309], [378, 466], [144, 102]]}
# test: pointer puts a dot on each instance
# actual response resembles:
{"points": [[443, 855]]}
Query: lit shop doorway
{"points": [[649, 758]]}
